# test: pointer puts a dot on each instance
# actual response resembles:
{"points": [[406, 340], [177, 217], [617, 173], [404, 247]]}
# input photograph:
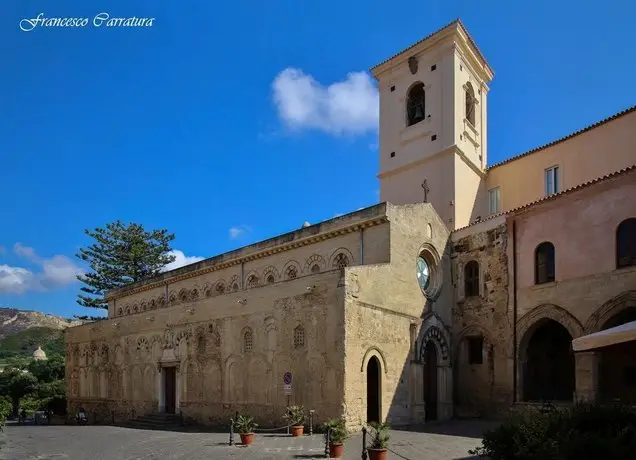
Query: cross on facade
{"points": [[426, 190]]}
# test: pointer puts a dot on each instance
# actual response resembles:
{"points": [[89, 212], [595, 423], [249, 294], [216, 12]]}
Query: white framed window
{"points": [[552, 184], [494, 200]]}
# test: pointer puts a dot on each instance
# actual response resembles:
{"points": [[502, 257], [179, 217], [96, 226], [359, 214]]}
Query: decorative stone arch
{"points": [[172, 298], [528, 324], [270, 274], [229, 386], [435, 377], [233, 284], [434, 261], [472, 330], [374, 351], [220, 287], [206, 290], [315, 260], [439, 337], [252, 280], [135, 307], [289, 266], [195, 292], [338, 254], [183, 295], [610, 309]]}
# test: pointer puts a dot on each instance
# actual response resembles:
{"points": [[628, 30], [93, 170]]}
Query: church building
{"points": [[458, 295]]}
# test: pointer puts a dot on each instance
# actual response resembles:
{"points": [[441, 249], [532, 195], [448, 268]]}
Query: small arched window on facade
{"points": [[121, 312], [270, 279], [252, 281], [471, 279], [248, 341], [315, 268], [415, 104], [341, 261], [544, 267], [626, 243], [235, 287], [470, 103], [299, 337], [220, 289], [291, 273]]}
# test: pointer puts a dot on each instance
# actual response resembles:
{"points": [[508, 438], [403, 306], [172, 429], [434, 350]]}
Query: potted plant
{"points": [[245, 426], [337, 431], [295, 417], [379, 440]]}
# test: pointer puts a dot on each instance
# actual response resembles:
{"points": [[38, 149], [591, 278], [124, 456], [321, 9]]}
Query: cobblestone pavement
{"points": [[438, 442]]}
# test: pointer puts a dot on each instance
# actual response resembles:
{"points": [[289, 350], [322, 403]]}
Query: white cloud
{"points": [[54, 272], [238, 231], [180, 260], [350, 106]]}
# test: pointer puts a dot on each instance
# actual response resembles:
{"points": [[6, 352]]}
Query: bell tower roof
{"points": [[456, 30]]}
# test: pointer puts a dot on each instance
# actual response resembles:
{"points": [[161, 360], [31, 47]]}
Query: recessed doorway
{"points": [[373, 390]]}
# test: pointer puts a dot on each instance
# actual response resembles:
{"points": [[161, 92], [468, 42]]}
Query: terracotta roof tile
{"points": [[563, 139], [568, 191]]}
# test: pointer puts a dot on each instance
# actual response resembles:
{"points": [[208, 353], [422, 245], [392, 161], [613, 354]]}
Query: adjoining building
{"points": [[459, 294]]}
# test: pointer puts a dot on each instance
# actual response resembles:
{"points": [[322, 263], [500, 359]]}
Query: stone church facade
{"points": [[458, 295]]}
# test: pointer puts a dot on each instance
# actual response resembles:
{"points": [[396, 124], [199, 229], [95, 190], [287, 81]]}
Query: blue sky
{"points": [[201, 123]]}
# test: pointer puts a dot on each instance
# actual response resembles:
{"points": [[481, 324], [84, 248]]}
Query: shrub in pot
{"points": [[379, 433], [337, 431], [245, 426], [295, 417]]}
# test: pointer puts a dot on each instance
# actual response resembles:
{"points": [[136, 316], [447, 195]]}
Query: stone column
{"points": [[586, 375]]}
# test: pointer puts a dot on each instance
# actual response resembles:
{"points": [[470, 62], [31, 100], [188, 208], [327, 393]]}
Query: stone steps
{"points": [[156, 421]]}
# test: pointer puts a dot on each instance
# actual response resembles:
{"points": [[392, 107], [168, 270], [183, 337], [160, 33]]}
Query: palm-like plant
{"points": [[379, 435]]}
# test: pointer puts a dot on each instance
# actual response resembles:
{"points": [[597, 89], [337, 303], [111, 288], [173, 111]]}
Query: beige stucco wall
{"points": [[592, 154], [588, 288]]}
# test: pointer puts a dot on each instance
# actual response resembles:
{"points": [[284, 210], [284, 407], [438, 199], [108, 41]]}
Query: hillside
{"points": [[13, 321], [25, 342]]}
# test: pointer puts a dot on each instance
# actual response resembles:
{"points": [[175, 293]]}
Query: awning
{"points": [[619, 334]]}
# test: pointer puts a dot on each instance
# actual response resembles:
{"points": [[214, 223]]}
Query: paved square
{"points": [[440, 442]]}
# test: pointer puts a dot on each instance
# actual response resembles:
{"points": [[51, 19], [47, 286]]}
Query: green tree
{"points": [[20, 385], [49, 370], [121, 254]]}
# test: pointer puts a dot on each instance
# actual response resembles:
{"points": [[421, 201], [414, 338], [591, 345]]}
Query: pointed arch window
{"points": [[471, 279], [416, 104], [470, 103], [626, 243], [248, 341], [291, 273], [341, 261], [299, 337], [544, 263]]}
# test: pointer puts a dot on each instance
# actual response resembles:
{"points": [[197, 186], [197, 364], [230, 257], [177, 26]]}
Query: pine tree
{"points": [[122, 254]]}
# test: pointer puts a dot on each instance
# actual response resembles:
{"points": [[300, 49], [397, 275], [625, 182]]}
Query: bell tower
{"points": [[433, 125]]}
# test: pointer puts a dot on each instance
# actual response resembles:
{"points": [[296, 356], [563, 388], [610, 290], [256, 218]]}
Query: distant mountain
{"points": [[13, 321], [25, 342]]}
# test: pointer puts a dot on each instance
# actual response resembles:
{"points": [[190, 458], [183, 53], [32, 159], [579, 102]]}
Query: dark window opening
{"points": [[475, 350], [471, 279], [544, 266], [626, 244], [415, 107]]}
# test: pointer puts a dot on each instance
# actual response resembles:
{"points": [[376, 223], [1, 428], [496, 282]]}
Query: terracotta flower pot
{"points": [[336, 450], [377, 454], [247, 438], [297, 430]]}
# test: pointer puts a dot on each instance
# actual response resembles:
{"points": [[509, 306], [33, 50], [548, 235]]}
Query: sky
{"points": [[229, 122]]}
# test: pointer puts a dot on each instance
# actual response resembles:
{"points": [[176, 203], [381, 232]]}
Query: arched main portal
{"points": [[430, 381], [373, 390], [617, 379], [548, 373]]}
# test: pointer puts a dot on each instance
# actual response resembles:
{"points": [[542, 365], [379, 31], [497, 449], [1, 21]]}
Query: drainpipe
{"points": [[242, 275], [361, 245], [514, 311]]}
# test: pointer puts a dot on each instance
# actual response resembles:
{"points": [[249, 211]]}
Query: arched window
{"points": [[252, 281], [194, 295], [470, 103], [248, 341], [291, 273], [270, 279], [121, 312], [415, 104], [544, 263], [220, 289], [341, 261], [315, 268], [235, 287], [299, 337], [471, 279], [626, 243]]}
